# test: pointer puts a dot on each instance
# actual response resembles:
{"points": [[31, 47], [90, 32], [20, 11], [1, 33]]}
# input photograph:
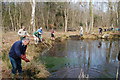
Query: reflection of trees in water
{"points": [[99, 44], [89, 53], [115, 50], [57, 49], [109, 52], [112, 49], [84, 54], [119, 62], [119, 65], [119, 72], [119, 56]]}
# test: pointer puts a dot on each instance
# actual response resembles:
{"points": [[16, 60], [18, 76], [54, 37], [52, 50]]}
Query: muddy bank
{"points": [[34, 69], [95, 36]]}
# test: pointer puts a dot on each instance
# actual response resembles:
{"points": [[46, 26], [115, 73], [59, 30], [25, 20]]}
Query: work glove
{"points": [[23, 57], [27, 60]]}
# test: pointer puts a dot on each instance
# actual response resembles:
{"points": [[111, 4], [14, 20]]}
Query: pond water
{"points": [[96, 58]]}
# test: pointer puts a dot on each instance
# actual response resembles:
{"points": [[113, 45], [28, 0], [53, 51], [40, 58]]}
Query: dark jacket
{"points": [[17, 49]]}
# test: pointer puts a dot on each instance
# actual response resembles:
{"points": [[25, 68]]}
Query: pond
{"points": [[94, 58]]}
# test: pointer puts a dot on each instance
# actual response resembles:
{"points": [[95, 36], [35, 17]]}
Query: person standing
{"points": [[23, 33], [40, 30], [37, 36], [100, 30], [16, 53], [52, 34], [40, 33], [81, 31]]}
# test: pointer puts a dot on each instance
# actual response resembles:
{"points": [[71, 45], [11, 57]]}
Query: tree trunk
{"points": [[116, 10], [119, 14], [43, 18], [111, 14], [47, 27], [66, 19], [86, 25], [15, 18], [11, 18], [72, 19], [91, 16], [33, 3], [20, 18]]}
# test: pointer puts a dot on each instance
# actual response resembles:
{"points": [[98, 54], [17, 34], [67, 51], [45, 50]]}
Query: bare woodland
{"points": [[60, 15]]}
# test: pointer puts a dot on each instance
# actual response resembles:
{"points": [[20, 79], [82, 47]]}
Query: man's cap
{"points": [[40, 27], [26, 39]]}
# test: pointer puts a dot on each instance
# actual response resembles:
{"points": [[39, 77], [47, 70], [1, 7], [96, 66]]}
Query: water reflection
{"points": [[96, 57], [100, 44]]}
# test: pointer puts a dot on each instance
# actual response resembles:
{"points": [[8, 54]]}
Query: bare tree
{"points": [[66, 19], [60, 15], [91, 15], [33, 3], [11, 19], [119, 14]]}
